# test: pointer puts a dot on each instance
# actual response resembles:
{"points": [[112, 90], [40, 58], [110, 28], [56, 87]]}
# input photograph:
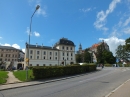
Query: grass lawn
{"points": [[21, 75], [3, 76]]}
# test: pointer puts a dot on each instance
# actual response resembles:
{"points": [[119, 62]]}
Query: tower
{"points": [[80, 48]]}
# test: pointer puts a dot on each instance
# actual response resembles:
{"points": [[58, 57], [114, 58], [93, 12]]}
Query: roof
{"points": [[65, 41], [8, 47], [41, 47]]}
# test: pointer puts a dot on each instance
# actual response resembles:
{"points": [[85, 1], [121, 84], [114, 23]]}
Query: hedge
{"points": [[56, 71]]}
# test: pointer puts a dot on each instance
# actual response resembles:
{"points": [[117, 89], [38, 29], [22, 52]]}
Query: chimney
{"points": [[52, 46], [36, 44]]}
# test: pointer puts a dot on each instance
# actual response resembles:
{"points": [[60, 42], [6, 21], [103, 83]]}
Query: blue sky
{"points": [[82, 21]]}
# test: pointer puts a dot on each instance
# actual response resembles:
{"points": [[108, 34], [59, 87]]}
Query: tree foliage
{"points": [[104, 56], [87, 56], [123, 51]]}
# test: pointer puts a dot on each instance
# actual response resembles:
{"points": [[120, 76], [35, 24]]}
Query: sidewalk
{"points": [[121, 91], [11, 78]]}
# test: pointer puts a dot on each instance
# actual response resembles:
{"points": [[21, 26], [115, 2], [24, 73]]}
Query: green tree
{"points": [[87, 56], [121, 52], [78, 58], [104, 56], [127, 47]]}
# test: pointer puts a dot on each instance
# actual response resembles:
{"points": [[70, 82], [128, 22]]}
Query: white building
{"points": [[63, 53]]}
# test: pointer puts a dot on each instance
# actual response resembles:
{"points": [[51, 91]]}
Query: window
{"points": [[67, 54], [37, 64], [71, 48], [50, 58], [44, 64], [55, 58], [6, 55], [12, 59], [31, 51], [67, 58], [30, 64], [63, 58], [44, 53], [12, 55], [66, 48], [44, 57], [56, 53], [37, 52], [71, 58], [63, 54], [9, 55], [8, 59], [15, 56], [62, 47], [71, 54], [37, 57], [30, 57], [1, 55], [50, 53]]}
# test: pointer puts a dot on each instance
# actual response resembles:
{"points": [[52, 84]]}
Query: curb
{"points": [[116, 88], [54, 80]]}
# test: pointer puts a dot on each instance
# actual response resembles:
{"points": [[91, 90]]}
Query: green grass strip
{"points": [[21, 75], [3, 76]]}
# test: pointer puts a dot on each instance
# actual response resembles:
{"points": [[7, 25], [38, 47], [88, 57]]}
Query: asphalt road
{"points": [[96, 84]]}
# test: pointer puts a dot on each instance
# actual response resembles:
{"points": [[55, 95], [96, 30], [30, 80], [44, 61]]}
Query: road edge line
{"points": [[117, 88]]}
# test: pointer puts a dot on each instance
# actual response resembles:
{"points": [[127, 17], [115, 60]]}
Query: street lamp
{"points": [[91, 55], [37, 7]]}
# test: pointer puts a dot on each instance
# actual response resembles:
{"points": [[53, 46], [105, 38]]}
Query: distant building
{"points": [[62, 53], [10, 55], [94, 47]]}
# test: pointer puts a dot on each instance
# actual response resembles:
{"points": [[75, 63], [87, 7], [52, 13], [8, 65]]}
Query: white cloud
{"points": [[113, 43], [6, 44], [41, 11], [28, 31], [127, 22], [13, 45], [85, 10], [16, 46], [0, 37], [101, 16], [23, 50], [126, 30], [36, 34]]}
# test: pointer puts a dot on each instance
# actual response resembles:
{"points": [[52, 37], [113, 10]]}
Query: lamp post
{"points": [[37, 7], [91, 55]]}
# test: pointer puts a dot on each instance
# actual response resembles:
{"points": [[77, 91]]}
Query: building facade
{"points": [[62, 53], [10, 55]]}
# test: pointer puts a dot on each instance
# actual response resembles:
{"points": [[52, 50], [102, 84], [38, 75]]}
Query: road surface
{"points": [[95, 84]]}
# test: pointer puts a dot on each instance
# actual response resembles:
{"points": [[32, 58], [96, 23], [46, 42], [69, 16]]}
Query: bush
{"points": [[55, 71]]}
